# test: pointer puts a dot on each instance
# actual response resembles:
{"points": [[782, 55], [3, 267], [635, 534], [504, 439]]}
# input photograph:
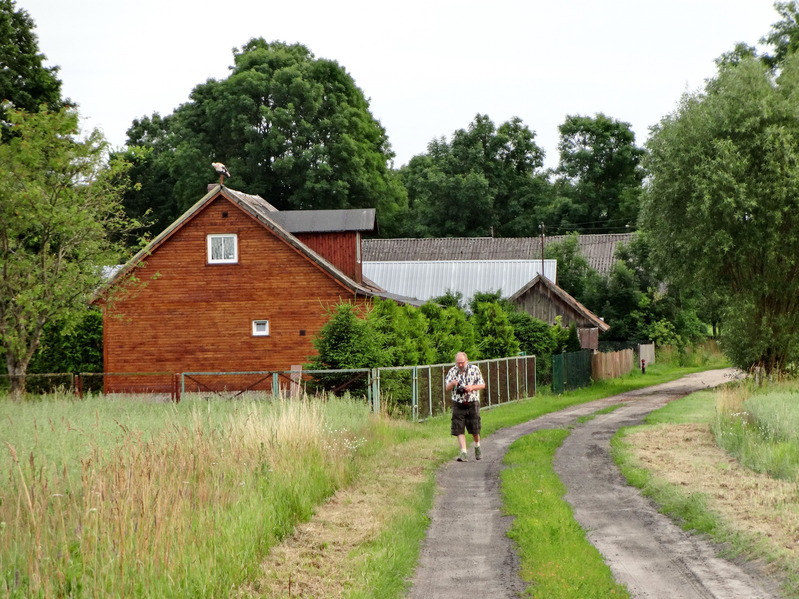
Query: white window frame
{"points": [[256, 332], [224, 236]]}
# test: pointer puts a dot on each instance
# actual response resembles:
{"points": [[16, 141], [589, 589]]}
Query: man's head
{"points": [[461, 360]]}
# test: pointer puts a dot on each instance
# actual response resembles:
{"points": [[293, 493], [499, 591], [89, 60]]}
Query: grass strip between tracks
{"points": [[557, 559]]}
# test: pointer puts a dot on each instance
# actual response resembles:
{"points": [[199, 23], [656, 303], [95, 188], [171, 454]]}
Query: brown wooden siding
{"points": [[194, 316], [339, 248], [541, 304]]}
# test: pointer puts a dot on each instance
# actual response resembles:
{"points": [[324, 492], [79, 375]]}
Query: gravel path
{"points": [[467, 551]]}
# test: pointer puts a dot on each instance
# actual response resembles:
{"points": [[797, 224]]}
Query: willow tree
{"points": [[722, 205]]}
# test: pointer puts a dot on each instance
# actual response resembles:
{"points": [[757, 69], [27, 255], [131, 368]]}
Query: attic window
{"points": [[223, 249], [260, 328]]}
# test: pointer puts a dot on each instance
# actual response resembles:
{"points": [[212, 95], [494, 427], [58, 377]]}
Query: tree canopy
{"points": [[722, 209], [486, 180], [61, 222], [784, 34], [600, 175], [24, 80], [290, 127]]}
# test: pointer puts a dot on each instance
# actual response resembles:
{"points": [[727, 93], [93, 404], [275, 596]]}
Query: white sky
{"points": [[427, 67]]}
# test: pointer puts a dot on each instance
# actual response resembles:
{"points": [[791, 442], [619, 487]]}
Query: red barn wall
{"points": [[194, 316], [340, 249]]}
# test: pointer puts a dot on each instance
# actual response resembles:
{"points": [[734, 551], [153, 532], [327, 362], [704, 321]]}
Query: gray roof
{"points": [[426, 279], [598, 250], [319, 221]]}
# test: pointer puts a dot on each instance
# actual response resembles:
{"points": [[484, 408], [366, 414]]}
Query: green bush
{"points": [[496, 335], [78, 348]]}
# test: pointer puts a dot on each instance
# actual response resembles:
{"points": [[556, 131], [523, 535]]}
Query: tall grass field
{"points": [[760, 426], [127, 498]]}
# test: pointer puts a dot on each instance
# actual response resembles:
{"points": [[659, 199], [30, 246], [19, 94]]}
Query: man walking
{"points": [[465, 381]]}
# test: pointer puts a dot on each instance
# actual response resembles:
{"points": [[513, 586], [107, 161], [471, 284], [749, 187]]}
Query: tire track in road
{"points": [[467, 550], [645, 550]]}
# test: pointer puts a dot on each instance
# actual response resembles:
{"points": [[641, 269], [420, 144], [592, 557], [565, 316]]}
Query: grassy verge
{"points": [[724, 463]]}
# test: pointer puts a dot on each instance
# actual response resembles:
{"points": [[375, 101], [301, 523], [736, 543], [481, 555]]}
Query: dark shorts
{"points": [[465, 416]]}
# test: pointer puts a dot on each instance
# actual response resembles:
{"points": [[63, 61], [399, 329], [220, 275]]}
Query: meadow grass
{"points": [[113, 496], [760, 427], [123, 498]]}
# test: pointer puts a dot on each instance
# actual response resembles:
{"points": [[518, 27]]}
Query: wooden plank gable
{"points": [[192, 315]]}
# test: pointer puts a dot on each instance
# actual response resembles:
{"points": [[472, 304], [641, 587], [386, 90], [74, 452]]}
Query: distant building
{"points": [[425, 268], [428, 279], [598, 250]]}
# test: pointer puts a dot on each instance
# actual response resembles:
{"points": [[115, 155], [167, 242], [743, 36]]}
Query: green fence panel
{"points": [[558, 373], [571, 370]]}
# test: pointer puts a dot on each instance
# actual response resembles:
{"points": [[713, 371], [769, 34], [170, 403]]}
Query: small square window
{"points": [[260, 328], [223, 249]]}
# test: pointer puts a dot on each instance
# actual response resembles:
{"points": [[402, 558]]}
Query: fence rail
{"points": [[415, 392]]}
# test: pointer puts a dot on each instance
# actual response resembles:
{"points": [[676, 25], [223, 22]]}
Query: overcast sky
{"points": [[427, 67]]}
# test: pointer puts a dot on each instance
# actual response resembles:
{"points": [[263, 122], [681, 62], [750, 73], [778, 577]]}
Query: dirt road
{"points": [[467, 551]]}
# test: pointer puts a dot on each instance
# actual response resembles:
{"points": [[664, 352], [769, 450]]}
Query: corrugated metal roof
{"points": [[598, 250], [426, 279], [319, 221]]}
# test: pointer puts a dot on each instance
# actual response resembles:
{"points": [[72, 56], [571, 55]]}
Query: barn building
{"points": [[231, 285]]}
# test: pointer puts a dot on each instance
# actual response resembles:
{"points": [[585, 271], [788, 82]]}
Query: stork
{"points": [[221, 170]]}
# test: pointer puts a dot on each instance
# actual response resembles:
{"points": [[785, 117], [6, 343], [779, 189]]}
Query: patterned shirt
{"points": [[471, 375]]}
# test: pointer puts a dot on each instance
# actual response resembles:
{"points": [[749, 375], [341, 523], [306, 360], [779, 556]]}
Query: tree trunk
{"points": [[16, 377]]}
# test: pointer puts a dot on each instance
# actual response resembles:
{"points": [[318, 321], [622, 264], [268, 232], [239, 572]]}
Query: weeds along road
{"points": [[467, 551]]}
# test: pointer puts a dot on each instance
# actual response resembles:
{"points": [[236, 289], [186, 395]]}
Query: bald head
{"points": [[460, 360]]}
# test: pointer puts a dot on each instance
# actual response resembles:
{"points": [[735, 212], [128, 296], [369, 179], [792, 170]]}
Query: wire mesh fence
{"points": [[571, 370], [159, 384], [413, 392], [39, 384], [267, 384], [418, 392]]}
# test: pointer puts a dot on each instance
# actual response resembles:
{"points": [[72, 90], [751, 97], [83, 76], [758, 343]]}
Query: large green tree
{"points": [[600, 175], [24, 80], [575, 275], [290, 127], [61, 222], [784, 34], [486, 180], [722, 205]]}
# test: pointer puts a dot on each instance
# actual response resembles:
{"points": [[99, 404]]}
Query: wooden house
{"points": [[232, 285], [544, 300]]}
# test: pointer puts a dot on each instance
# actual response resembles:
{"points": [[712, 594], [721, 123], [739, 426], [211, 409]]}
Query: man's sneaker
{"points": [[463, 457], [478, 453]]}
